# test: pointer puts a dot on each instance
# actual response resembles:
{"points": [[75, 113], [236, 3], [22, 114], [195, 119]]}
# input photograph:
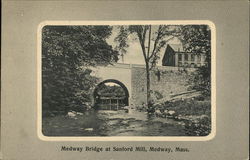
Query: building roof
{"points": [[177, 47]]}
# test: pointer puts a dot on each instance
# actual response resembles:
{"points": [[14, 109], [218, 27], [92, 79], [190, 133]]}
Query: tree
{"points": [[151, 39], [197, 39], [111, 91], [67, 53]]}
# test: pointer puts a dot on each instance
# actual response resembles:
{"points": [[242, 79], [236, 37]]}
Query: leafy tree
{"points": [[111, 91], [67, 54], [197, 39], [151, 39]]}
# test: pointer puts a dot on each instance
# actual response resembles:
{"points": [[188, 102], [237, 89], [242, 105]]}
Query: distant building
{"points": [[176, 56]]}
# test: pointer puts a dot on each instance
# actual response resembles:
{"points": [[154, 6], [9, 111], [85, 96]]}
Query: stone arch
{"points": [[96, 96]]}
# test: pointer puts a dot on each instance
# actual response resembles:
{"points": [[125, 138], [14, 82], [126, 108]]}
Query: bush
{"points": [[189, 107], [198, 112], [199, 127]]}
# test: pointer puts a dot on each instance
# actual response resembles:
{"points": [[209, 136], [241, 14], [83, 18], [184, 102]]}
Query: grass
{"points": [[196, 114], [190, 107]]}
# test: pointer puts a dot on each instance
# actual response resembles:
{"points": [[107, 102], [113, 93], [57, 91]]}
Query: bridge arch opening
{"points": [[111, 94]]}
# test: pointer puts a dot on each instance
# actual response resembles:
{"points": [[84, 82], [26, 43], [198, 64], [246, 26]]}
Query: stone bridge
{"points": [[165, 80]]}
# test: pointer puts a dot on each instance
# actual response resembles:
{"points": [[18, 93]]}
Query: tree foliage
{"points": [[111, 91], [67, 53], [151, 39], [197, 39]]}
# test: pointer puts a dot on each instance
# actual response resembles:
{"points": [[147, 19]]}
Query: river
{"points": [[112, 123]]}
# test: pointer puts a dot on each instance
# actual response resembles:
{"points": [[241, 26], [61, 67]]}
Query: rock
{"points": [[79, 113], [171, 112], [89, 107], [181, 123], [158, 113], [165, 113], [71, 114], [126, 107], [89, 129], [179, 117]]}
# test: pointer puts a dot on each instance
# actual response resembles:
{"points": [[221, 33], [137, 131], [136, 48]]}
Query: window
{"points": [[186, 57], [192, 57], [158, 74], [179, 57], [198, 58]]}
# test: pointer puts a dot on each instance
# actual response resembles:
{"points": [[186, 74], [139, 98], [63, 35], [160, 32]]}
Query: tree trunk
{"points": [[148, 84]]}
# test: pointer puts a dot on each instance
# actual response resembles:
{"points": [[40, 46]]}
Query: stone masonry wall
{"points": [[171, 81]]}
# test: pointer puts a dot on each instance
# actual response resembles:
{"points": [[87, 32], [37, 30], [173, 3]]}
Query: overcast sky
{"points": [[134, 53]]}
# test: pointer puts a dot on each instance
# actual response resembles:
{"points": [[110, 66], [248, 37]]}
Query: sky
{"points": [[111, 84], [134, 53]]}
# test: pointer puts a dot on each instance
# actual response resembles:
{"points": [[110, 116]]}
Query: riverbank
{"points": [[195, 113]]}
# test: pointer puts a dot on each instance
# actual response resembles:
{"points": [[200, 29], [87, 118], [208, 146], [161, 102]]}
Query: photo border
{"points": [[127, 138]]}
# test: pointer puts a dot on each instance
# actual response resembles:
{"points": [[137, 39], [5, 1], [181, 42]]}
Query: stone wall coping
{"points": [[129, 66]]}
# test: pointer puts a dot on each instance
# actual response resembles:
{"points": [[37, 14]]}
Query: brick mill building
{"points": [[176, 56]]}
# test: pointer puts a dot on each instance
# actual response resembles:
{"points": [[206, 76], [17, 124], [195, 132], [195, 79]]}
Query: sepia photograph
{"points": [[126, 80], [119, 80]]}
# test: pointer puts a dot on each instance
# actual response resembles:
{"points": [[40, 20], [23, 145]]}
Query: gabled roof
{"points": [[177, 47]]}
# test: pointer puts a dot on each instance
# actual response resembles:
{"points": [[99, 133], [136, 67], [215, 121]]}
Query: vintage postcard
{"points": [[119, 80], [148, 80]]}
